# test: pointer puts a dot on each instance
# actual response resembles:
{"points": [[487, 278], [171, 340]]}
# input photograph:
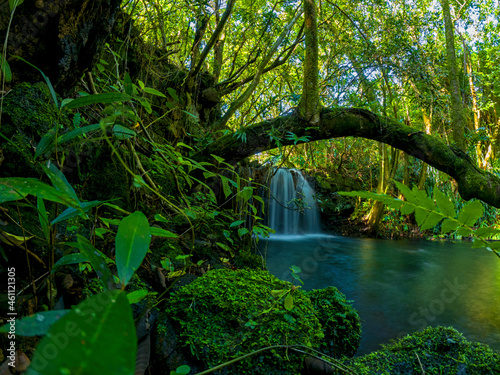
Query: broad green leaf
{"points": [[36, 325], [182, 370], [486, 232], [236, 223], [139, 181], [173, 94], [190, 213], [70, 259], [96, 337], [420, 215], [160, 217], [109, 222], [5, 68], [407, 208], [121, 132], [208, 175], [242, 231], [277, 293], [423, 200], [137, 295], [432, 219], [225, 186], [132, 243], [46, 143], [72, 212], [449, 225], [444, 203], [464, 231], [14, 3], [225, 247], [218, 158], [96, 259], [478, 243], [15, 188], [246, 193], [470, 213], [146, 104], [107, 97], [152, 91], [295, 269], [59, 181], [43, 218], [127, 84], [182, 144], [12, 239], [289, 302], [395, 204], [75, 133], [405, 190], [160, 232]]}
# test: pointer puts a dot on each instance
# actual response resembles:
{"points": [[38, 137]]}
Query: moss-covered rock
{"points": [[245, 259], [28, 114], [226, 314], [439, 350], [340, 321]]}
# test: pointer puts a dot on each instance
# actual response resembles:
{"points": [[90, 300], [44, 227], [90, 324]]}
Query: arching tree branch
{"points": [[335, 123]]}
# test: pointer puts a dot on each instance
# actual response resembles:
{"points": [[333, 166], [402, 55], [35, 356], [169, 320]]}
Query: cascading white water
{"points": [[292, 208]]}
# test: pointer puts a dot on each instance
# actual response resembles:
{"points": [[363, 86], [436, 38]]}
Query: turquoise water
{"points": [[398, 287]]}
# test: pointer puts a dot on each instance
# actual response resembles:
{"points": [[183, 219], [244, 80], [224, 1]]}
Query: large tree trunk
{"points": [[457, 108], [334, 123], [60, 37]]}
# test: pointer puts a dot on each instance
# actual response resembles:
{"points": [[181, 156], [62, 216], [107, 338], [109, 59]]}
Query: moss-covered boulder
{"points": [[226, 314], [340, 322], [433, 351]]}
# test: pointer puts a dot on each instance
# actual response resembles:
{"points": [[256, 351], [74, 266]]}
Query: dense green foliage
{"points": [[227, 313], [339, 320], [432, 351]]}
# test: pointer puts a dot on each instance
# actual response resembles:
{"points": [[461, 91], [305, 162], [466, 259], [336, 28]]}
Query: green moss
{"points": [[340, 321], [245, 259], [28, 113], [226, 314], [439, 350]]}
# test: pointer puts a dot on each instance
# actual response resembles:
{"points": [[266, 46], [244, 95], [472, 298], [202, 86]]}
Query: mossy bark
{"points": [[309, 102], [343, 122], [457, 108]]}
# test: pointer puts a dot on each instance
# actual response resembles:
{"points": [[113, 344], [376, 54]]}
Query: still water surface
{"points": [[398, 287]]}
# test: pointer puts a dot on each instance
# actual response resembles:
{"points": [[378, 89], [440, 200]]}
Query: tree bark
{"points": [[457, 108], [341, 122], [60, 37], [309, 102]]}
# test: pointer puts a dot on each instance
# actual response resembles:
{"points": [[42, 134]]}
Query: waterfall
{"points": [[292, 208]]}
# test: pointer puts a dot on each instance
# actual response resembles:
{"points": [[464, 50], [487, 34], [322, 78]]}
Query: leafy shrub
{"points": [[340, 321], [226, 314], [435, 350]]}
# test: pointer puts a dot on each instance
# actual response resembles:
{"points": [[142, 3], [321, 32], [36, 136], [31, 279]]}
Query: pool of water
{"points": [[398, 287]]}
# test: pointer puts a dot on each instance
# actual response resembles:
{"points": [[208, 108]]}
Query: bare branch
{"points": [[213, 39], [246, 94]]}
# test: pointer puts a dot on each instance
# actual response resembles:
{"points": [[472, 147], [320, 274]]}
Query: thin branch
{"points": [[279, 61], [256, 79], [214, 38]]}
